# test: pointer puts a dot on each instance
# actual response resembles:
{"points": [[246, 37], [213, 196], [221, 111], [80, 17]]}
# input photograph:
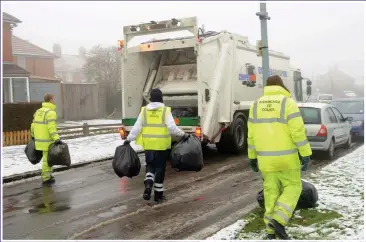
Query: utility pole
{"points": [[263, 17]]}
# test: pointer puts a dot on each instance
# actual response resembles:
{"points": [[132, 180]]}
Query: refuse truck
{"points": [[209, 79]]}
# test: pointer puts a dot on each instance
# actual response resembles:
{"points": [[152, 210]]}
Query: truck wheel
{"points": [[234, 140], [238, 134]]}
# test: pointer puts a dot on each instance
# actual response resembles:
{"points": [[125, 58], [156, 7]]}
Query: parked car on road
{"points": [[326, 128], [353, 107]]}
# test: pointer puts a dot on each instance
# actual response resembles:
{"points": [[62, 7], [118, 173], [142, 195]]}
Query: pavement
{"points": [[91, 202]]}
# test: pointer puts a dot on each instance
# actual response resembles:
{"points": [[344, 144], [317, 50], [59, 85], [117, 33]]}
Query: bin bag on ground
{"points": [[59, 155], [34, 156], [308, 197], [186, 155], [126, 162]]}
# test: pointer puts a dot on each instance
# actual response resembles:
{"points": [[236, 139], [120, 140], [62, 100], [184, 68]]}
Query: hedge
{"points": [[19, 116]]}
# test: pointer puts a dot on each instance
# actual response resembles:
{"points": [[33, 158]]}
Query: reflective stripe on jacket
{"points": [[44, 126], [276, 131], [155, 134]]}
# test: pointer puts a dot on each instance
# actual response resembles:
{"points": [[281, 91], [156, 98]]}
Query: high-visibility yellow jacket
{"points": [[155, 133], [44, 126], [276, 131]]}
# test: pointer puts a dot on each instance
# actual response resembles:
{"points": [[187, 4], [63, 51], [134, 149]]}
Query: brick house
{"points": [[15, 79], [41, 65], [37, 63]]}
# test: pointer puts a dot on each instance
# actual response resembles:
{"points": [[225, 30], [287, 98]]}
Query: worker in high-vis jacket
{"points": [[153, 130], [276, 135], [44, 132]]}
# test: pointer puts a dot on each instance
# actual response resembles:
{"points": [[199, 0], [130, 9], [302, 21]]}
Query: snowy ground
{"points": [[90, 122], [82, 150], [341, 192]]}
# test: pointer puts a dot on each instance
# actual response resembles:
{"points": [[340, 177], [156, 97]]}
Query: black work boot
{"points": [[159, 197], [147, 191], [49, 182], [279, 230]]}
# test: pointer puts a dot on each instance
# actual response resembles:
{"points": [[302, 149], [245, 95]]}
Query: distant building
{"points": [[336, 82], [70, 67]]}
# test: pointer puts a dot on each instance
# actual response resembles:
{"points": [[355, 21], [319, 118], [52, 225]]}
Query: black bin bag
{"points": [[33, 155], [308, 197], [126, 162], [59, 155], [186, 155]]}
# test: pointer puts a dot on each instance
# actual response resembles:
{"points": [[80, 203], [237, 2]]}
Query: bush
{"points": [[19, 116]]}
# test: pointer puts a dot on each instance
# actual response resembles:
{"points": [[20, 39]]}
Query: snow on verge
{"points": [[230, 232], [82, 150], [341, 189]]}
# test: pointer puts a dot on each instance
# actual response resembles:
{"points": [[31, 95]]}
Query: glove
{"points": [[305, 163], [186, 136], [254, 165], [127, 142], [58, 142]]}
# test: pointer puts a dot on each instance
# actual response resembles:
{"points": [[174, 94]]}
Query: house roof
{"points": [[69, 63], [11, 69], [10, 18], [23, 47]]}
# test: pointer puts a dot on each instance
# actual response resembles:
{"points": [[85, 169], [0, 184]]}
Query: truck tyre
{"points": [[234, 139]]}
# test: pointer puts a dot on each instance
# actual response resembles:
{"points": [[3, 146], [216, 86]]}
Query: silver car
{"points": [[326, 128]]}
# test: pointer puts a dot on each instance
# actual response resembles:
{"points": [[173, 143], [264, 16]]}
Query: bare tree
{"points": [[103, 65]]}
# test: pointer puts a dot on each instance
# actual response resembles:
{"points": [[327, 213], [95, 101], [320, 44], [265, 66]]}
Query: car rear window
{"points": [[310, 115]]}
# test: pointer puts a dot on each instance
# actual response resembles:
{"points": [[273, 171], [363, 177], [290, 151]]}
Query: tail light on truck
{"points": [[122, 133], [198, 132], [323, 132]]}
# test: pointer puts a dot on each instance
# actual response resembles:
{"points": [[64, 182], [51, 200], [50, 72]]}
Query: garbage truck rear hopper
{"points": [[208, 79]]}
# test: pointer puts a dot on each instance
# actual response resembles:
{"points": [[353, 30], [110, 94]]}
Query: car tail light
{"points": [[322, 131], [198, 132]]}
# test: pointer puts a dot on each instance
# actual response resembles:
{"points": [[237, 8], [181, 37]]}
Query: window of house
{"points": [[20, 89], [21, 61], [6, 90], [15, 89]]}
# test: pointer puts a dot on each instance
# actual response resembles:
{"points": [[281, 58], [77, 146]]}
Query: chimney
{"points": [[57, 51]]}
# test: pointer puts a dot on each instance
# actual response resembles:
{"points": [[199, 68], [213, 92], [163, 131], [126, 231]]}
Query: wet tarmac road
{"points": [[91, 202]]}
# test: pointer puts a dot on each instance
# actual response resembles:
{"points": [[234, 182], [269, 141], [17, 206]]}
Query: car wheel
{"points": [[330, 152], [349, 142]]}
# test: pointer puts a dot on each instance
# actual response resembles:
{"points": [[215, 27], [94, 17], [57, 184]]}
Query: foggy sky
{"points": [[315, 35]]}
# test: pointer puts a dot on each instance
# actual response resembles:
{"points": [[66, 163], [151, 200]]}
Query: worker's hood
{"points": [[276, 90], [154, 105], [49, 105]]}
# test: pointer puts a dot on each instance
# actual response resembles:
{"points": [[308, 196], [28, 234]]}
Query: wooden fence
{"points": [[72, 132], [82, 101]]}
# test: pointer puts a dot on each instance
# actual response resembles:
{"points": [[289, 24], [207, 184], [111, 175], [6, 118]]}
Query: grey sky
{"points": [[315, 35]]}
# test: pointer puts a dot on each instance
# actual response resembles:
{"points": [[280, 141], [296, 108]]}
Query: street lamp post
{"points": [[263, 17]]}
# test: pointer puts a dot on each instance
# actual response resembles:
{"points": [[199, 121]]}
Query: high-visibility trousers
{"points": [[46, 170], [282, 190]]}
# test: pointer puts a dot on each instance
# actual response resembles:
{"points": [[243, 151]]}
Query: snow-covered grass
{"points": [[339, 216], [90, 122], [82, 150]]}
